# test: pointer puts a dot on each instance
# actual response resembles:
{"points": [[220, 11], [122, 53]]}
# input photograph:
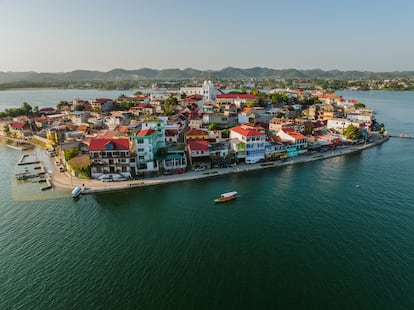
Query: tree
{"points": [[62, 104], [212, 126], [27, 108], [171, 100], [71, 153], [359, 105], [79, 107], [225, 133], [352, 133]]}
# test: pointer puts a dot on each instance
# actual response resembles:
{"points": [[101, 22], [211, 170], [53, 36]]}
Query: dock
{"points": [[22, 161], [403, 136], [49, 185]]}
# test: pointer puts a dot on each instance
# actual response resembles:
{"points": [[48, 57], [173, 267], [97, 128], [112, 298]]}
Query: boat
{"points": [[76, 192], [226, 197]]}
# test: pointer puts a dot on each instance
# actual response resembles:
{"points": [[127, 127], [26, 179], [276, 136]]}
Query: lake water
{"points": [[332, 234]]}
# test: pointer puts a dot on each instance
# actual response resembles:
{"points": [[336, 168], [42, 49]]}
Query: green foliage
{"points": [[279, 98], [71, 153], [83, 171], [169, 105], [352, 133], [62, 104], [162, 152], [79, 107], [212, 126], [25, 109], [126, 105], [171, 100], [359, 105], [225, 133]]}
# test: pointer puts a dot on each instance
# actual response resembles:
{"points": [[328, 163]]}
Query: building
{"points": [[198, 153], [247, 143], [292, 137], [109, 157], [196, 134], [207, 90]]}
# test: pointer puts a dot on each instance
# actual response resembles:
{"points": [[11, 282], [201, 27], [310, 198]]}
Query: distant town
{"points": [[191, 128]]}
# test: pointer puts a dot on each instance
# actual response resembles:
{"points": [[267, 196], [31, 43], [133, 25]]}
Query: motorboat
{"points": [[226, 197], [76, 192]]}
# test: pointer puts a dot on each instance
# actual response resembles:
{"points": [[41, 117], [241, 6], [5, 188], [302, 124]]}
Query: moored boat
{"points": [[76, 192], [226, 197]]}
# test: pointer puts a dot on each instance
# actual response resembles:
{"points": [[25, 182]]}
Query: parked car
{"points": [[199, 168]]}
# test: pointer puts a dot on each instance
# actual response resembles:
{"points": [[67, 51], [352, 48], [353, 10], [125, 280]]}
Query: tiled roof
{"points": [[198, 145], [294, 134], [146, 133], [247, 132], [17, 125], [236, 96], [196, 132], [171, 132], [100, 144]]}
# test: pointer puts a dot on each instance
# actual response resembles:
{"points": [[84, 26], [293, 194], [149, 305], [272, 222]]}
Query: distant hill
{"points": [[188, 73]]}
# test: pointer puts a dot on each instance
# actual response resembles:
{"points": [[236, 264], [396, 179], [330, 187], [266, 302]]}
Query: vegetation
{"points": [[71, 153], [169, 105], [359, 105], [352, 133], [79, 107], [25, 109], [62, 105], [225, 133], [83, 171]]}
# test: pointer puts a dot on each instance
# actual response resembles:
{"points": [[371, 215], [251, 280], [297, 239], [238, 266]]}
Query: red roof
{"points": [[171, 132], [295, 135], [103, 144], [247, 132], [17, 125], [236, 96], [196, 132], [145, 133], [198, 145]]}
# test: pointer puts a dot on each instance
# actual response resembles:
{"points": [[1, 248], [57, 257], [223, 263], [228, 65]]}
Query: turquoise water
{"points": [[336, 233]]}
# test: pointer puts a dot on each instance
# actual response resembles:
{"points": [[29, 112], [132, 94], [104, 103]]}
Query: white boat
{"points": [[76, 192], [226, 197]]}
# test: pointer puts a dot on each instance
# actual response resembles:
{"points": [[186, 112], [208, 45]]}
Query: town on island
{"points": [[144, 139]]}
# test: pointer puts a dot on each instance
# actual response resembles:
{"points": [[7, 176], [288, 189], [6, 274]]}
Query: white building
{"points": [[250, 140], [340, 124], [207, 90]]}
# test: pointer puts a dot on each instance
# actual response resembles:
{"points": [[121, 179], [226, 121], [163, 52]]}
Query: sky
{"points": [[67, 35]]}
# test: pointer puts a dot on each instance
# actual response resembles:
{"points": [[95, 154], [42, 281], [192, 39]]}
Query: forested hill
{"points": [[175, 74]]}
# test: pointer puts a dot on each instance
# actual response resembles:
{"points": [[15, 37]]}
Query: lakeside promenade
{"points": [[64, 180]]}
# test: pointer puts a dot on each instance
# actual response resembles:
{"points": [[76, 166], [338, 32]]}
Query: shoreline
{"points": [[63, 180]]}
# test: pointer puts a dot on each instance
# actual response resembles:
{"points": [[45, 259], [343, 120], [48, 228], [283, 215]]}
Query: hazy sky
{"points": [[58, 35]]}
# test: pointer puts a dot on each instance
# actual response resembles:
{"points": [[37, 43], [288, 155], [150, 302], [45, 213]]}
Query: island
{"points": [[193, 132]]}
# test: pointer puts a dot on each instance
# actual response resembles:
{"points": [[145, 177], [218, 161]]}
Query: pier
{"points": [[22, 160], [402, 136]]}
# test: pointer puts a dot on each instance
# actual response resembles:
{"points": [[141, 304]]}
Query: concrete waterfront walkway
{"points": [[65, 181]]}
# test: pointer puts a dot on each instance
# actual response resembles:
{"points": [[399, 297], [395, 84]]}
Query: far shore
{"points": [[64, 180]]}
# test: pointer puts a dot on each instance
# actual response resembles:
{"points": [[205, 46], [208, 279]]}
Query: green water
{"points": [[332, 234]]}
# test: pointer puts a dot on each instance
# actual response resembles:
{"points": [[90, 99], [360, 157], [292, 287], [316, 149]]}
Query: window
{"points": [[140, 141]]}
